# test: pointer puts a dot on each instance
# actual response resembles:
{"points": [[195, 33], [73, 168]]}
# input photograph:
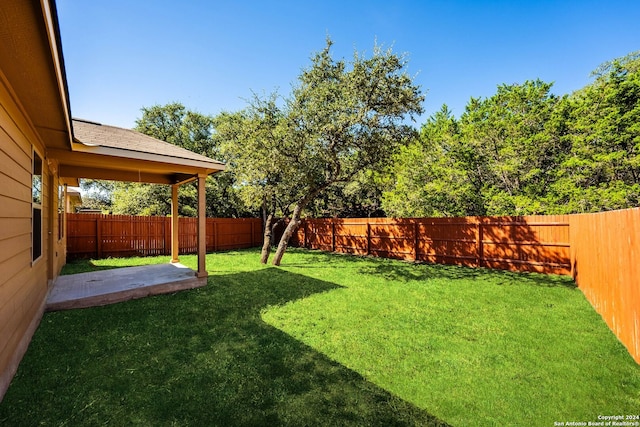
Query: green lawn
{"points": [[328, 340]]}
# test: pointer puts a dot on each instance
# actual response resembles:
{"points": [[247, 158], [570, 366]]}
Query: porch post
{"points": [[175, 248], [202, 226]]}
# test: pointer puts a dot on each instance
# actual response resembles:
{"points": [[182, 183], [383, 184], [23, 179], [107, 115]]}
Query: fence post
{"points": [[147, 250], [215, 235], [167, 236], [333, 234], [479, 244], [98, 237], [304, 229], [368, 237], [415, 240]]}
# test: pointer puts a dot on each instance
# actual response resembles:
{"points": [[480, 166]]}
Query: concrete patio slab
{"points": [[121, 284]]}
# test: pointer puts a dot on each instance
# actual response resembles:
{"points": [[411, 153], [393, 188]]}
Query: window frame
{"points": [[37, 201], [62, 197]]}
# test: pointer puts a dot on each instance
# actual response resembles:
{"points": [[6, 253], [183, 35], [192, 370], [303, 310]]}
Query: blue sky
{"points": [[122, 55]]}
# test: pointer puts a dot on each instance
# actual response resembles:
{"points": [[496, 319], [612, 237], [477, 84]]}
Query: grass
{"points": [[328, 340]]}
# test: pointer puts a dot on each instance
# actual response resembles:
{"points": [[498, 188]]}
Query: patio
{"points": [[111, 286]]}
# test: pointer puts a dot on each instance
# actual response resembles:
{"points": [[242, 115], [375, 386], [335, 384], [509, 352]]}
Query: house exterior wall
{"points": [[23, 283]]}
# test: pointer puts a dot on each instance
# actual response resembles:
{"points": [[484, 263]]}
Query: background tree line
{"points": [[523, 150]]}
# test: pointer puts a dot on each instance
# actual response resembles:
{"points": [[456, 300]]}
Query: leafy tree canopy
{"points": [[525, 151], [175, 124], [340, 120]]}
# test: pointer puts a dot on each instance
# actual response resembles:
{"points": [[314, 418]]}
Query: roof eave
{"points": [[138, 155], [55, 44]]}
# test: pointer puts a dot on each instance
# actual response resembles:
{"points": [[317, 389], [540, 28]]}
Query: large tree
{"points": [[343, 120], [340, 120], [254, 142], [524, 150]]}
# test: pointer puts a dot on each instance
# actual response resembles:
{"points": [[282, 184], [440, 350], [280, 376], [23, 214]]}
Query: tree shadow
{"points": [[524, 244], [405, 271], [422, 271], [200, 357], [85, 265]]}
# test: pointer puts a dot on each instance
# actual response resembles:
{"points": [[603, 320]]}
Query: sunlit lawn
{"points": [[328, 340]]}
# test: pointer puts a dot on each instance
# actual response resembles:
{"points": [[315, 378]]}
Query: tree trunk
{"points": [[266, 242], [288, 232], [295, 222]]}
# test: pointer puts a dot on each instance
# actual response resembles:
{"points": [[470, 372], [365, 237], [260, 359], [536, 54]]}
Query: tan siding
{"points": [[10, 322], [26, 298], [14, 265], [13, 188], [12, 227], [13, 337], [12, 168], [7, 292], [12, 208], [14, 245], [15, 123], [27, 304], [23, 285]]}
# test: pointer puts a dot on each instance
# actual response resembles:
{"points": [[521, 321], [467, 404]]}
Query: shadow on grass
{"points": [[201, 357], [421, 271], [78, 266], [411, 271]]}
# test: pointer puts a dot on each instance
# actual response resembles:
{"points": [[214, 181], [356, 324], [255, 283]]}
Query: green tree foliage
{"points": [[254, 142], [496, 159], [131, 198], [345, 120], [602, 170], [360, 198], [511, 154], [433, 175], [97, 194], [175, 124], [526, 151], [340, 120]]}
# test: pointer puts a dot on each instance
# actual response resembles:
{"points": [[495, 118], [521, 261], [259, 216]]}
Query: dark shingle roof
{"points": [[96, 134]]}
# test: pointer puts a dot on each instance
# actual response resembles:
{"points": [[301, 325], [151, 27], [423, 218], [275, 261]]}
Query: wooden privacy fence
{"points": [[99, 236], [532, 243], [605, 260]]}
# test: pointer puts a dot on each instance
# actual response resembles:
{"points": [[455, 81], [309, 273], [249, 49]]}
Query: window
{"points": [[61, 207], [36, 203]]}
